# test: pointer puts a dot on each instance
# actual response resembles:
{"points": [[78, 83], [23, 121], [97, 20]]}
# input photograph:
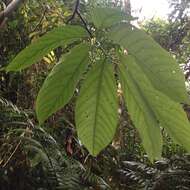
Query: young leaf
{"points": [[59, 36], [60, 85], [161, 69], [139, 108], [96, 108], [106, 17]]}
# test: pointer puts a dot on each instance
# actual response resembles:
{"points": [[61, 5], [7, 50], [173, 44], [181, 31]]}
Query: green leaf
{"points": [[96, 108], [106, 17], [60, 85], [172, 117], [169, 113], [139, 108], [59, 36], [161, 69]]}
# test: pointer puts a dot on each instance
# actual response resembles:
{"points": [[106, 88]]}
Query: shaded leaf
{"points": [[58, 37], [139, 108], [106, 17], [170, 114], [172, 117], [60, 85], [96, 108], [161, 69]]}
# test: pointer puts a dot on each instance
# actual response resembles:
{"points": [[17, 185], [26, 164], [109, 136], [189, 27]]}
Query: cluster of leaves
{"points": [[151, 82], [40, 161]]}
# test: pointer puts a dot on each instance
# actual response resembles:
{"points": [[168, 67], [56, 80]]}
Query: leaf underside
{"points": [[152, 83], [60, 85], [96, 109], [140, 109], [160, 68], [168, 113], [106, 17], [60, 36]]}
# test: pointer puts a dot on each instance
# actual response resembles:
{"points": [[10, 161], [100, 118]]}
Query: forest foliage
{"points": [[104, 76], [159, 80]]}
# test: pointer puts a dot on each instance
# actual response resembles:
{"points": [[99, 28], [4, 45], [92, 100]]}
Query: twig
{"points": [[9, 10], [74, 12], [40, 21], [85, 24], [12, 154]]}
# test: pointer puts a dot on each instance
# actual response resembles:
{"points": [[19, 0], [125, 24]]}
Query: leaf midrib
{"points": [[97, 103], [52, 45], [62, 85], [144, 113], [143, 100]]}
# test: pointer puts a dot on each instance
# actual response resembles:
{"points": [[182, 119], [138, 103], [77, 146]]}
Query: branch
{"points": [[41, 19], [9, 10], [77, 12], [84, 23], [12, 154], [74, 12]]}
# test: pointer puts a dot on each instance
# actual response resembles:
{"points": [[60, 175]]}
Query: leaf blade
{"points": [[161, 69], [96, 108], [169, 113], [140, 109], [105, 17], [55, 93], [34, 52], [173, 118]]}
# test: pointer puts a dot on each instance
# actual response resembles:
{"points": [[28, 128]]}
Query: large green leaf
{"points": [[60, 85], [169, 113], [105, 17], [139, 108], [172, 117], [161, 69], [96, 109], [59, 36]]}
